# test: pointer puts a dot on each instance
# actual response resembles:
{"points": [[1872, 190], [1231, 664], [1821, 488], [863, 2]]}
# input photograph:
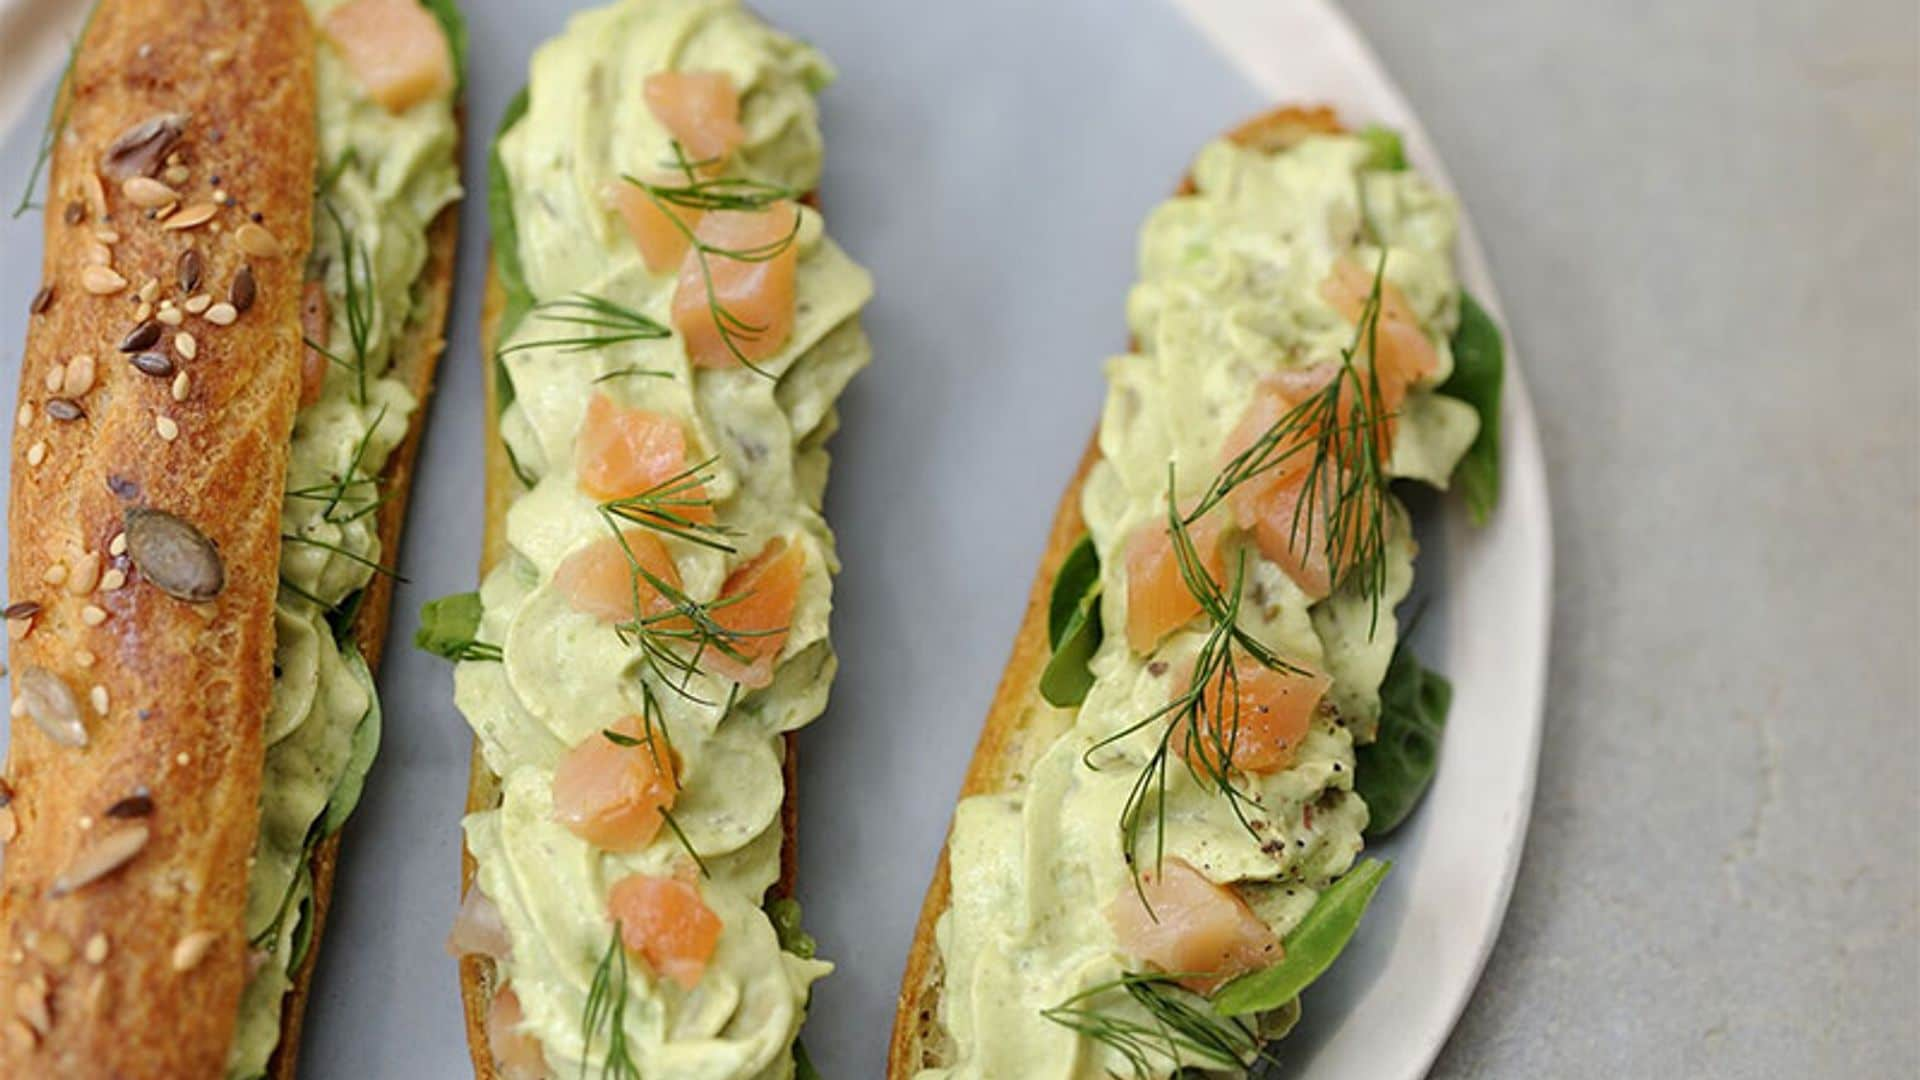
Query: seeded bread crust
{"points": [[1020, 723], [478, 977], [415, 360], [139, 973]]}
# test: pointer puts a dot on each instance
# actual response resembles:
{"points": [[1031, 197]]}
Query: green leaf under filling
{"points": [[1392, 772], [1479, 366], [1073, 627], [1310, 949]]}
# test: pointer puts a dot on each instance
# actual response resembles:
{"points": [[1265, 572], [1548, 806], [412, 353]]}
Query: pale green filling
{"points": [[388, 177], [1228, 292], [566, 676]]}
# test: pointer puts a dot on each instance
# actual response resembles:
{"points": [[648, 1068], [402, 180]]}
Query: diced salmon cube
{"points": [[1192, 928], [613, 795], [652, 224], [665, 922], [1158, 599], [1260, 726], [478, 930], [700, 109], [624, 452], [1402, 353], [599, 579], [396, 47], [515, 1050], [746, 276], [756, 604]]}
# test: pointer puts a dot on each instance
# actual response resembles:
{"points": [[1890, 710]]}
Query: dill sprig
{"points": [[1180, 1029], [351, 556], [358, 298], [474, 649], [607, 1007], [56, 123], [337, 492], [673, 508], [741, 195], [658, 743], [604, 323], [324, 185], [1343, 429], [663, 638]]}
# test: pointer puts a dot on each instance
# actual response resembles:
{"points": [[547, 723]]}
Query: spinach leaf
{"points": [[1073, 626], [1310, 949], [1479, 365], [366, 743], [785, 915], [506, 244], [454, 25], [448, 627], [1384, 150], [1393, 771]]}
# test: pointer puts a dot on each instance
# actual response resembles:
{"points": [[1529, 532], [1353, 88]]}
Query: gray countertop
{"points": [[1703, 220]]}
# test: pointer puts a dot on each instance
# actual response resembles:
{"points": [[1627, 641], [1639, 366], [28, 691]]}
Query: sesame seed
{"points": [[197, 303], [180, 386], [96, 950], [97, 255], [144, 312], [85, 822], [222, 314], [24, 416], [256, 241], [176, 173], [18, 710], [84, 657], [93, 615], [166, 427], [191, 949], [86, 574], [182, 758], [118, 546], [106, 235], [54, 574], [184, 344], [150, 290], [114, 578], [170, 315], [98, 697], [56, 376], [79, 375], [101, 281]]}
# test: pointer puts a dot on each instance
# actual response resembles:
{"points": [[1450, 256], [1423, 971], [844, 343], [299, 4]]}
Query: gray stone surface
{"points": [[1703, 221]]}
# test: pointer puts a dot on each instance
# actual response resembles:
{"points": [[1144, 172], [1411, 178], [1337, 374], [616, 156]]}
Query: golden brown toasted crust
{"points": [[477, 984], [184, 686], [416, 358], [1020, 724]]}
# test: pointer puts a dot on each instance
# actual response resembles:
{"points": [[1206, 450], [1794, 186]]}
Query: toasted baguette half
{"points": [[477, 974], [1020, 723], [140, 972]]}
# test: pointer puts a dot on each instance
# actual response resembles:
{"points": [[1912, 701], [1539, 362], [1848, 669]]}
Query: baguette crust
{"points": [[477, 973], [416, 358], [1020, 723], [183, 685]]}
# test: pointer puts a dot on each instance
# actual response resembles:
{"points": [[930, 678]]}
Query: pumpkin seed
{"points": [[175, 556], [51, 704], [139, 150]]}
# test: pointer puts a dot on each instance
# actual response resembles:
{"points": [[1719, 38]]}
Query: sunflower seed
{"points": [[51, 704], [20, 609], [197, 214], [147, 193], [64, 409], [109, 853], [174, 555], [156, 364], [101, 280], [255, 240], [41, 300], [139, 150]]}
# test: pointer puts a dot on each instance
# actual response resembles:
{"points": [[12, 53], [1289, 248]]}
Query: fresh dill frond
{"points": [[351, 556], [324, 186], [358, 297], [629, 372], [604, 323], [673, 507], [674, 642], [606, 1008], [1180, 1030], [56, 123]]}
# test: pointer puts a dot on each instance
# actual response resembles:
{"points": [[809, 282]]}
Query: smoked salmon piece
{"points": [[611, 794], [1259, 727], [1158, 600], [316, 324], [662, 243], [700, 109], [624, 452], [756, 604], [665, 923], [751, 259], [598, 579], [1268, 504], [515, 1051], [1403, 353], [478, 930], [395, 47], [1190, 927]]}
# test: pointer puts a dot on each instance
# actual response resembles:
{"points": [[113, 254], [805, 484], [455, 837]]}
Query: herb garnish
{"points": [[1182, 1029], [678, 507], [359, 302], [606, 323], [607, 1007], [56, 120]]}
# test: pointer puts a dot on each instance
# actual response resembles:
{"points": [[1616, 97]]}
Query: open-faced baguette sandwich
{"points": [[249, 250], [667, 330], [1205, 710]]}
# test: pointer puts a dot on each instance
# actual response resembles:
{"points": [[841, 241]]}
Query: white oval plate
{"points": [[991, 162]]}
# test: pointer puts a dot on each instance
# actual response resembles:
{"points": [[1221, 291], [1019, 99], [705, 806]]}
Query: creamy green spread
{"points": [[386, 177], [565, 676], [1228, 292]]}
